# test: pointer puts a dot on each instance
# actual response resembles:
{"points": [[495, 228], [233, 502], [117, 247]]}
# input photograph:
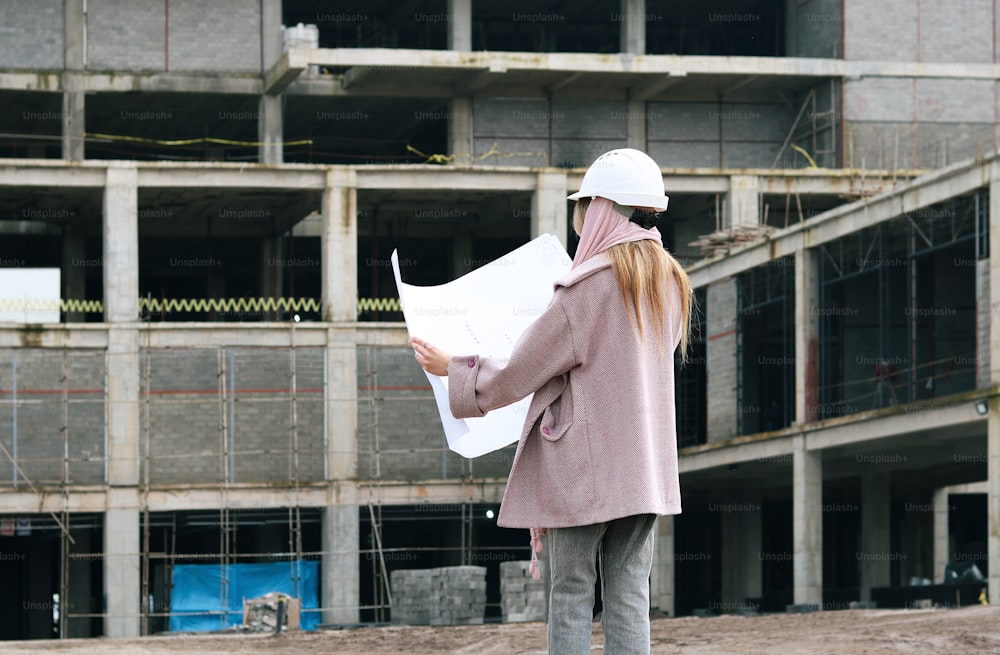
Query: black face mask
{"points": [[644, 219]]}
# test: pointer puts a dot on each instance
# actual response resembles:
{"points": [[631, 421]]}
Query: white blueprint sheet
{"points": [[483, 313]]}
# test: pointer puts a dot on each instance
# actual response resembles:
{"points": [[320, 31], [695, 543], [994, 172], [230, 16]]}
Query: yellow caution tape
{"points": [[168, 305], [812, 162], [448, 159], [188, 142]]}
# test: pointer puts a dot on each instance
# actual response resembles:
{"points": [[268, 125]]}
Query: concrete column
{"points": [[121, 245], [742, 544], [460, 25], [983, 309], [460, 141], [875, 563], [743, 201], [340, 566], [121, 305], [122, 407], [73, 125], [341, 397], [339, 244], [993, 419], [942, 544], [633, 26], [272, 271], [548, 207], [74, 270], [270, 129], [661, 579], [74, 56], [270, 122], [270, 22], [807, 524], [122, 581], [720, 350], [807, 300], [635, 124]]}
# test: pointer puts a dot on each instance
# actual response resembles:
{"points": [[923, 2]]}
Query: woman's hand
{"points": [[431, 358]]}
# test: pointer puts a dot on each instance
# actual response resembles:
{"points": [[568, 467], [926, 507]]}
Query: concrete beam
{"points": [[847, 219], [632, 63], [284, 71], [167, 498], [47, 173], [290, 177], [807, 524], [436, 178]]}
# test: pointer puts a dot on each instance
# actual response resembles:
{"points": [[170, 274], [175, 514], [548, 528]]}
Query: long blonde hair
{"points": [[643, 269]]}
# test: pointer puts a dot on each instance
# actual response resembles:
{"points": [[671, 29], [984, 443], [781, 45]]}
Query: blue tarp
{"points": [[197, 588]]}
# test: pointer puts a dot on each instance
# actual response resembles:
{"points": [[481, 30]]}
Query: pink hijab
{"points": [[604, 227]]}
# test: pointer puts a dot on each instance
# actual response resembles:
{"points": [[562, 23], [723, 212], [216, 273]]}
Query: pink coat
{"points": [[600, 440]]}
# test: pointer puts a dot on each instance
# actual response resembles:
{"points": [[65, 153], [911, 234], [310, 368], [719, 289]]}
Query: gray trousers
{"points": [[624, 548]]}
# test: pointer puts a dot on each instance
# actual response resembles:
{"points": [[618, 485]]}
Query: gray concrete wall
{"points": [[900, 123], [927, 123], [569, 132], [395, 400], [227, 38], [867, 37], [126, 34], [688, 134], [223, 35], [39, 415], [31, 34], [813, 28], [185, 414]]}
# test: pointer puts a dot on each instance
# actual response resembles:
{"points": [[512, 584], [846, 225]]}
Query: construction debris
{"points": [[721, 242], [263, 614]]}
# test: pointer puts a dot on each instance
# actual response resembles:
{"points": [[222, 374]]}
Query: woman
{"points": [[597, 458]]}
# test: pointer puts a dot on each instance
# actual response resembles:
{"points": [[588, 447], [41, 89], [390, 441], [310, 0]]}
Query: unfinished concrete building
{"points": [[221, 378]]}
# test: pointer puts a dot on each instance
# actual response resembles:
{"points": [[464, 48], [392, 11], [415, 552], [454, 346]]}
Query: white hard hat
{"points": [[627, 176]]}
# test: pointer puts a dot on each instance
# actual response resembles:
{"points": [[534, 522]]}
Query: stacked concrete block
{"points": [[450, 595], [521, 598]]}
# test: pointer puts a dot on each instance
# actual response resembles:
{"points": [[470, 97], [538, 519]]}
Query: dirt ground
{"points": [[973, 630]]}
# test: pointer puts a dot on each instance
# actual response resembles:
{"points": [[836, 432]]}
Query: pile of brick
{"points": [[521, 598], [450, 595]]}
